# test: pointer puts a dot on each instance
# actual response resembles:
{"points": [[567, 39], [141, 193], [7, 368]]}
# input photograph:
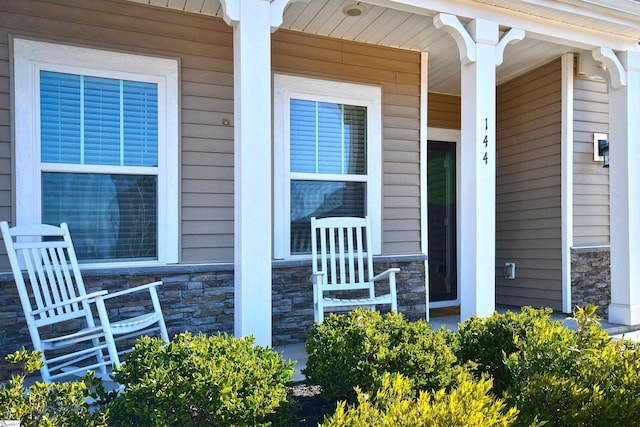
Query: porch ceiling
{"points": [[409, 25]]}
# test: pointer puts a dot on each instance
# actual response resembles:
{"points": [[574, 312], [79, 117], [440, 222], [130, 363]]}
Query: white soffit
{"points": [[408, 25]]}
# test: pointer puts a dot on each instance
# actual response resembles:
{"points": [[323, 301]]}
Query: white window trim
{"points": [[32, 56], [287, 87]]}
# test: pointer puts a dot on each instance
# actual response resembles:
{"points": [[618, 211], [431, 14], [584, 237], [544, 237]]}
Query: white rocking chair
{"points": [[59, 311], [343, 264]]}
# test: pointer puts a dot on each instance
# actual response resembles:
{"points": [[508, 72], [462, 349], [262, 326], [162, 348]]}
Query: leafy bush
{"points": [[43, 404], [580, 379], [200, 380], [489, 341], [357, 348], [553, 374], [392, 405]]}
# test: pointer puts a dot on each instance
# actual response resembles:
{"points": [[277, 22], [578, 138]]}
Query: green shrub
{"points": [[489, 341], [200, 380], [392, 405], [581, 379], [553, 374], [54, 404], [355, 349]]}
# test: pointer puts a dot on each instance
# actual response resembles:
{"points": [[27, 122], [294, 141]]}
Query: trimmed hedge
{"points": [[489, 341], [583, 377], [508, 369], [357, 348], [200, 380], [553, 374], [191, 381]]}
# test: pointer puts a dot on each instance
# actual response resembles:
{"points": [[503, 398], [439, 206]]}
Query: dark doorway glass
{"points": [[441, 188]]}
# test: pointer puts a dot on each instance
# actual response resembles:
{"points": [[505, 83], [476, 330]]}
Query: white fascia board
{"points": [[536, 27], [616, 11]]}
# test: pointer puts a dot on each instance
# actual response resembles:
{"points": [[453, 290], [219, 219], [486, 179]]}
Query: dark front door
{"points": [[441, 188]]}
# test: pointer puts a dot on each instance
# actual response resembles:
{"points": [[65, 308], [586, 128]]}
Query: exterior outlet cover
{"points": [[510, 270]]}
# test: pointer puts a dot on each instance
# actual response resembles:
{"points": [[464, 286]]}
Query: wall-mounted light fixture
{"points": [[603, 146], [510, 270], [601, 149]]}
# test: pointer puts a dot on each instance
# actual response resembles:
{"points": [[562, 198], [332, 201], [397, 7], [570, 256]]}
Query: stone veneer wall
{"points": [[200, 299], [591, 278], [293, 298]]}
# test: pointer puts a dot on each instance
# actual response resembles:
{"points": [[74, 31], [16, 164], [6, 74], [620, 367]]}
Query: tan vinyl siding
{"points": [[590, 179], [443, 111], [204, 47], [528, 200], [398, 73]]}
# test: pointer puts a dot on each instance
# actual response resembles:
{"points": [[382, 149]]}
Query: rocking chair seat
{"points": [[73, 338], [133, 323], [346, 302]]}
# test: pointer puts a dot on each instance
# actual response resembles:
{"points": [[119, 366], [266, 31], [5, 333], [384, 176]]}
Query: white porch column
{"points": [[624, 183], [252, 22], [480, 52]]}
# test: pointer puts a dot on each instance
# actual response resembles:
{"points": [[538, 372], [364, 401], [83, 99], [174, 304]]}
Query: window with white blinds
{"points": [[327, 151], [325, 138], [103, 122], [97, 142]]}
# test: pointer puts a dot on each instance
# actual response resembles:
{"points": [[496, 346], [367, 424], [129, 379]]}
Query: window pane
{"points": [[101, 121], [140, 104], [355, 137], [327, 138], [60, 117], [321, 199], [330, 142], [110, 216], [303, 136]]}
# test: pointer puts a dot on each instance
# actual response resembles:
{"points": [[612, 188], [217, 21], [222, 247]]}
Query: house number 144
{"points": [[485, 141]]}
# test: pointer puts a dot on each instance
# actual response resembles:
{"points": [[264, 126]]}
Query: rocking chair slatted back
{"points": [[343, 252], [51, 268]]}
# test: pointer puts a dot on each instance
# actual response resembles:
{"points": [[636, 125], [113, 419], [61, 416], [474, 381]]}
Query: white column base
{"points": [[622, 314]]}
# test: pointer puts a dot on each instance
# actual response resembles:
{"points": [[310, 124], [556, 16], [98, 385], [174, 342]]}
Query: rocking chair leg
{"points": [[108, 334], [99, 356]]}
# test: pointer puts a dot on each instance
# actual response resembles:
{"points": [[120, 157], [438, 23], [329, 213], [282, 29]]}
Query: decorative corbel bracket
{"points": [[231, 11], [466, 43], [513, 35], [452, 25], [277, 12], [614, 67], [588, 67]]}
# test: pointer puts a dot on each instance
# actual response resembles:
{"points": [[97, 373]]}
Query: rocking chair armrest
{"points": [[137, 288], [386, 273], [315, 276], [88, 298]]}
